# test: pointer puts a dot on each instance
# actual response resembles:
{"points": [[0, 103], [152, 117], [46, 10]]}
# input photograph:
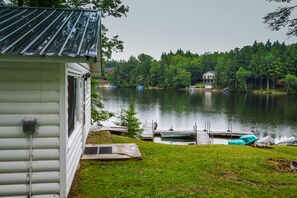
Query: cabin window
{"points": [[72, 103]]}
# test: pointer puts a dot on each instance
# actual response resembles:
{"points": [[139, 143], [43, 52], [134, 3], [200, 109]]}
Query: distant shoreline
{"points": [[256, 91]]}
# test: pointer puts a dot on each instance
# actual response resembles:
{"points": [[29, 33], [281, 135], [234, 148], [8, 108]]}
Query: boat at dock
{"points": [[175, 135], [140, 87]]}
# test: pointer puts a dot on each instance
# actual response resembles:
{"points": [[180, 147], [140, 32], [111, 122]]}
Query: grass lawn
{"points": [[189, 171], [270, 91]]}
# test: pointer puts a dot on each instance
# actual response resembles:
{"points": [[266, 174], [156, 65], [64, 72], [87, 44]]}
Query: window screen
{"points": [[72, 103]]}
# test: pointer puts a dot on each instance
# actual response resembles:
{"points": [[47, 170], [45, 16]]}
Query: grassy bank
{"points": [[189, 171], [270, 91]]}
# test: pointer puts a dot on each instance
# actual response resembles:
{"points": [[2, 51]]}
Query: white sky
{"points": [[156, 26]]}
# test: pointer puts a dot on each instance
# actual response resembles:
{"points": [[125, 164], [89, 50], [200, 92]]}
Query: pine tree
{"points": [[128, 118]]}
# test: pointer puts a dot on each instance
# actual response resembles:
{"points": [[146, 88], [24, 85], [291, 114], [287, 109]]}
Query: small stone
{"points": [[294, 165]]}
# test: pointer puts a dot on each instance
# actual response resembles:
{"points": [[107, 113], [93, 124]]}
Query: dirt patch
{"points": [[230, 176], [281, 165]]}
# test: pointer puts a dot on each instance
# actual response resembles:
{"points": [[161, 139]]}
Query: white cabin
{"points": [[45, 58], [208, 79]]}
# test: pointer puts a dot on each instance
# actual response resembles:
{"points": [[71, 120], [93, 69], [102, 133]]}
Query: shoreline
{"points": [[216, 90]]}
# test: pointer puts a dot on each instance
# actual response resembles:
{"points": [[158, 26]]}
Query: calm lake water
{"points": [[274, 115]]}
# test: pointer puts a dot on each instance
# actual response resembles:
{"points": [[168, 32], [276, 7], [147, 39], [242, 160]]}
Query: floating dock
{"points": [[210, 133], [117, 130], [149, 132]]}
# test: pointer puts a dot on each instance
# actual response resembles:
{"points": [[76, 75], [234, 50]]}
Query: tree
{"points": [[282, 17], [128, 118], [145, 62], [155, 73], [182, 78], [242, 75], [97, 112], [291, 81]]}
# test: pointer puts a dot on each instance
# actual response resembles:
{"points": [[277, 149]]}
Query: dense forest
{"points": [[259, 66]]}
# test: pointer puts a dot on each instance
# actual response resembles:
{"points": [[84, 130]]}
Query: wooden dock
{"points": [[202, 136], [117, 130], [210, 133], [148, 132]]}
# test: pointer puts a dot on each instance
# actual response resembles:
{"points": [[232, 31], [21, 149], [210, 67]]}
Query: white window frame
{"points": [[78, 120]]}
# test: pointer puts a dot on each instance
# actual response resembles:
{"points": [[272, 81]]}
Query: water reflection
{"points": [[274, 115]]}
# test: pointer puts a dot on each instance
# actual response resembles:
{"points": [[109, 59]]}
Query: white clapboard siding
{"points": [[23, 143], [29, 96], [33, 85], [72, 169], [29, 74], [29, 108], [22, 155], [29, 90], [75, 142], [16, 119], [17, 132], [73, 157], [87, 111], [18, 189], [22, 178], [35, 196], [46, 196], [74, 153], [22, 166]]}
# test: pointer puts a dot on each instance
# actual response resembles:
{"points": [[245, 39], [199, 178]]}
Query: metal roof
{"points": [[49, 32]]}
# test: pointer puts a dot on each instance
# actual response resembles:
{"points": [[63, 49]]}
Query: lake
{"points": [[274, 115]]}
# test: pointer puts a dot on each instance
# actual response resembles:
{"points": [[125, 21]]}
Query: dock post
{"points": [[195, 128], [153, 126], [230, 129], [208, 129], [196, 131]]}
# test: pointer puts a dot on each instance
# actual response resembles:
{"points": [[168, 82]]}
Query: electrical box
{"points": [[29, 125]]}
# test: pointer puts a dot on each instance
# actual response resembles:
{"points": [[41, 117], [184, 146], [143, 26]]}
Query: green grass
{"points": [[270, 91], [199, 85], [189, 171]]}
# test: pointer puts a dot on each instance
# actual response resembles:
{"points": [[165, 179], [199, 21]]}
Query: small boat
{"points": [[244, 140], [140, 87], [177, 135], [292, 141]]}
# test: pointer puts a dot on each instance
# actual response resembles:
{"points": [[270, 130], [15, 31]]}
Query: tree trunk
{"points": [[245, 86], [267, 83], [261, 83]]}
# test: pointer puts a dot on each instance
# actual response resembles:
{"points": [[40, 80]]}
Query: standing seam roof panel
{"points": [[26, 34], [49, 32], [8, 24]]}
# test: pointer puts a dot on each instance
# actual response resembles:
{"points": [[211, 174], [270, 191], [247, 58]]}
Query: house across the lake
{"points": [[46, 59], [208, 79]]}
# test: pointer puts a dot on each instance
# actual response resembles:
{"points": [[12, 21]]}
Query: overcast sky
{"points": [[156, 26]]}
